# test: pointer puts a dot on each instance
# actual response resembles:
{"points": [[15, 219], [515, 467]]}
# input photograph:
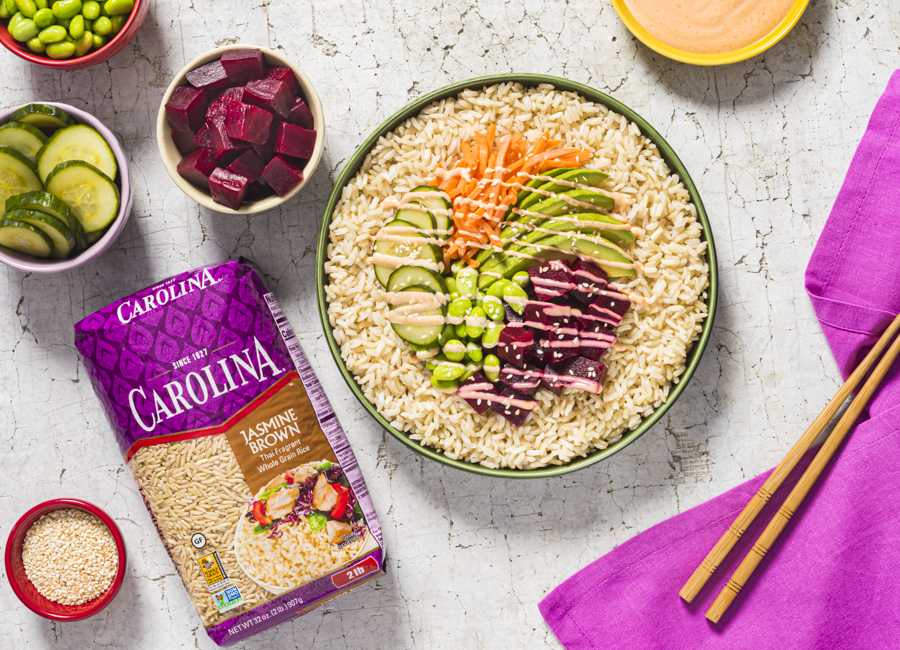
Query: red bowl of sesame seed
{"points": [[82, 536]]}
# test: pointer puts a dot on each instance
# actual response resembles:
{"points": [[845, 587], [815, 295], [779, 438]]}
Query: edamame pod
{"points": [[492, 367], [61, 50]]}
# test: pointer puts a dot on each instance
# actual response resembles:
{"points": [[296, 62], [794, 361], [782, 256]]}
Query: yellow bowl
{"points": [[752, 50]]}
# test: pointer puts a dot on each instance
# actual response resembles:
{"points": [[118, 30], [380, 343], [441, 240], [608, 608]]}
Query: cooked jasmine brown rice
{"points": [[654, 339]]}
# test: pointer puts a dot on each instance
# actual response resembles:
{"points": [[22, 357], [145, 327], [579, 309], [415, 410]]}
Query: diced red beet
{"points": [[477, 383], [618, 303], [184, 141], [228, 188], [523, 380], [197, 166], [203, 139], [224, 148], [519, 408], [590, 280], [609, 310], [512, 316], [209, 76], [584, 374], [248, 123], [295, 141], [300, 114], [249, 165], [186, 109], [516, 345], [274, 96], [287, 76], [257, 191], [593, 349], [552, 378], [562, 346], [243, 65], [266, 150], [551, 279], [218, 107], [282, 175]]}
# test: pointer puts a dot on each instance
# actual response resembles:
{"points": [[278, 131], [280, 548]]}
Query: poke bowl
{"points": [[516, 276], [247, 91]]}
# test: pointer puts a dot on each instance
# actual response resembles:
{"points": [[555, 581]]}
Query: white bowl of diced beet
{"points": [[240, 129]]}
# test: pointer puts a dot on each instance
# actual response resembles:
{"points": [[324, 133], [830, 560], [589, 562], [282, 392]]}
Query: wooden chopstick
{"points": [[718, 553], [795, 498]]}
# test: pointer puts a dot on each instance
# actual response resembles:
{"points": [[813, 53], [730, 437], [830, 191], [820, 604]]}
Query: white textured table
{"points": [[767, 141]]}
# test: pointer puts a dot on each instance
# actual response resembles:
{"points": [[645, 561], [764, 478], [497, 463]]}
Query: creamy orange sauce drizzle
{"points": [[709, 26]]}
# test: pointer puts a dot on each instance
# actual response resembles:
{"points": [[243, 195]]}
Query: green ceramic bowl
{"points": [[353, 166]]}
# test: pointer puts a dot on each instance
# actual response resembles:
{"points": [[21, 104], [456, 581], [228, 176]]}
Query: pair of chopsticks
{"points": [[792, 503]]}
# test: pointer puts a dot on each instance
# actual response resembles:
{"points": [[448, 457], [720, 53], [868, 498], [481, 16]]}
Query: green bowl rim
{"points": [[414, 108]]}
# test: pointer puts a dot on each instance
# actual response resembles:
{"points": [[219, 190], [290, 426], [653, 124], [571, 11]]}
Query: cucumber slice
{"points": [[429, 255], [92, 238], [421, 335], [90, 194], [25, 238], [17, 174], [438, 203], [22, 137], [407, 276], [421, 219], [61, 235], [43, 116], [49, 204], [79, 142]]}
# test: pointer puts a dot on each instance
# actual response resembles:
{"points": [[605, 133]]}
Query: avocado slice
{"points": [[536, 182], [590, 177]]}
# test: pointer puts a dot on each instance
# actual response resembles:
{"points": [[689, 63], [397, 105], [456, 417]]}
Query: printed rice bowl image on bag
{"points": [[236, 451]]}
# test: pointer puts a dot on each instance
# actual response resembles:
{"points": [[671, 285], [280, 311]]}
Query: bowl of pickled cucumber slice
{"points": [[65, 190]]}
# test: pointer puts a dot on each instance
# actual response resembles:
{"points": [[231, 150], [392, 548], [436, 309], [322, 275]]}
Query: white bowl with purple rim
{"points": [[32, 264]]}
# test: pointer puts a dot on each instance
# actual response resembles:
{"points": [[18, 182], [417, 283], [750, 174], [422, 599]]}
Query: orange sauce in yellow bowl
{"points": [[710, 32]]}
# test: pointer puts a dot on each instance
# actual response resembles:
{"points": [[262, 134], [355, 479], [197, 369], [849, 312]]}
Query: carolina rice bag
{"points": [[235, 449]]}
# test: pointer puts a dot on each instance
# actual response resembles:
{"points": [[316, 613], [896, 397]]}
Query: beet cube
{"points": [[228, 188], [257, 191], [218, 107], [541, 355], [516, 408], [609, 309], [186, 109], [563, 346], [523, 380], [266, 150], [474, 388], [224, 148], [584, 374], [249, 165], [295, 141], [209, 76], [282, 175], [247, 123], [593, 349], [533, 314], [590, 280], [197, 166], [512, 316], [285, 75], [184, 141], [274, 96], [553, 378], [516, 345], [203, 139], [300, 114], [243, 65], [551, 279]]}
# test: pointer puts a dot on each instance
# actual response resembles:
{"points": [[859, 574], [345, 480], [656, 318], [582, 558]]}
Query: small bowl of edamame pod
{"points": [[69, 34]]}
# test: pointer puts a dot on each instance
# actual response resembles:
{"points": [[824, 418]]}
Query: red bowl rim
{"points": [[98, 56], [13, 555]]}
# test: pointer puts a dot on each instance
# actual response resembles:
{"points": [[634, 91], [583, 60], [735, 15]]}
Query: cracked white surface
{"points": [[767, 141]]}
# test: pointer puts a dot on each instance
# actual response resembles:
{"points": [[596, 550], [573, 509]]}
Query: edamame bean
{"points": [[492, 367], [444, 385], [102, 26], [14, 20], [451, 285], [76, 27], [435, 361], [4, 12], [448, 371], [44, 18], [471, 369], [24, 30], [42, 4], [496, 289], [118, 7], [99, 41], [461, 330], [90, 10], [26, 7], [84, 44], [475, 330], [65, 8], [467, 282], [52, 34], [454, 350], [458, 309], [515, 296], [493, 307], [118, 22], [88, 25], [103, 11], [61, 50], [491, 336], [521, 278], [474, 352], [11, 7], [35, 45], [447, 334], [64, 22]]}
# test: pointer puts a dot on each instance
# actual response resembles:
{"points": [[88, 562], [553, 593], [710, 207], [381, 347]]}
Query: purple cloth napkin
{"points": [[830, 582]]}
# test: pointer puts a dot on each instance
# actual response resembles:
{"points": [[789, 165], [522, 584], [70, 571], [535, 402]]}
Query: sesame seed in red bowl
{"points": [[46, 545]]}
